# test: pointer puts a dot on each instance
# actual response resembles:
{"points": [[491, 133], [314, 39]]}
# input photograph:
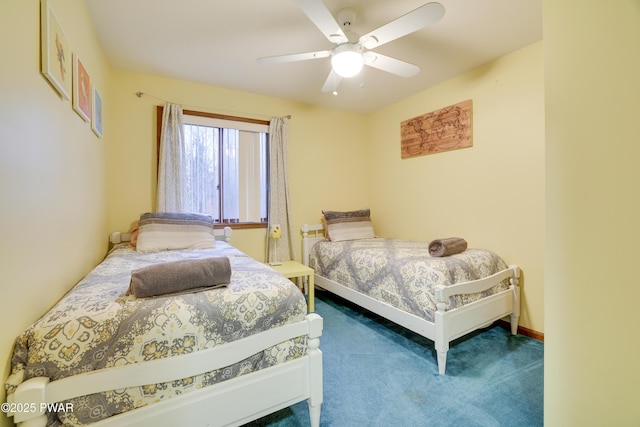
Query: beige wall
{"points": [[53, 214], [326, 163], [492, 194], [592, 352]]}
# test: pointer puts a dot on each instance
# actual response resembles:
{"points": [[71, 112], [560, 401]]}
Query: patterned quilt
{"points": [[95, 326], [402, 273]]}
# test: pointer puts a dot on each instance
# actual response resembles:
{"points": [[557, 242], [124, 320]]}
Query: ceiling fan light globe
{"points": [[347, 63]]}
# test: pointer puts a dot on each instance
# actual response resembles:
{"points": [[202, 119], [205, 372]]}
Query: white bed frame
{"points": [[447, 325], [229, 403]]}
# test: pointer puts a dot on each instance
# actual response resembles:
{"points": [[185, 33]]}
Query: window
{"points": [[226, 162]]}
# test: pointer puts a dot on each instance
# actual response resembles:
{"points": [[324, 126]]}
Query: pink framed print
{"points": [[55, 52], [81, 89]]}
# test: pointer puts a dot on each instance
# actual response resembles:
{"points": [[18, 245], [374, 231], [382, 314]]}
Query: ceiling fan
{"points": [[351, 51]]}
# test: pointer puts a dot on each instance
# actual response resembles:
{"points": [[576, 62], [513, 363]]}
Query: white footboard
{"points": [[455, 323], [229, 403], [447, 325]]}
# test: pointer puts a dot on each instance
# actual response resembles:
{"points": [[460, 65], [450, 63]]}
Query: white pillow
{"points": [[349, 225], [162, 231]]}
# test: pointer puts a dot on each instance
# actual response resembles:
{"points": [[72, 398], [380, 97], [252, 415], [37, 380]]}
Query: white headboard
{"points": [[220, 233], [317, 235]]}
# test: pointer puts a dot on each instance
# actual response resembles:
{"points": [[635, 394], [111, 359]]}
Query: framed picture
{"points": [[96, 113], [446, 129], [55, 51], [81, 89]]}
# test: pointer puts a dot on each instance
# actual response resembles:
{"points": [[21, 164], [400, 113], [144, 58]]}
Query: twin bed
{"points": [[230, 354], [222, 356], [441, 297]]}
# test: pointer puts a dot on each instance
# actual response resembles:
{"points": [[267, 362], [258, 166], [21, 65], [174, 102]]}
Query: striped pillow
{"points": [[349, 225], [163, 231]]}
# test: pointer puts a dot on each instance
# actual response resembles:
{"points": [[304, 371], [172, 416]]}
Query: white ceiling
{"points": [[217, 42]]}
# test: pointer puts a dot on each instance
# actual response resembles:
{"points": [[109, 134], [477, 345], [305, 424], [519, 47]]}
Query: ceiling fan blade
{"points": [[322, 18], [279, 59], [390, 65], [415, 20], [332, 82]]}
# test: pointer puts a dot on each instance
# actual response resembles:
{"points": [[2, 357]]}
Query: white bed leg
{"points": [[514, 324], [315, 369], [442, 361], [441, 340], [314, 414], [515, 315]]}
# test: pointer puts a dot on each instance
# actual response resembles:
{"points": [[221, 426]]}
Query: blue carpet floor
{"points": [[379, 374]]}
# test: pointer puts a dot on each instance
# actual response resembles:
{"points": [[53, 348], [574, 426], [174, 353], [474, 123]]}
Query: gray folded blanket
{"points": [[446, 247], [180, 277]]}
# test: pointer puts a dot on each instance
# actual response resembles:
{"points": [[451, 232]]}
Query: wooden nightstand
{"points": [[293, 269]]}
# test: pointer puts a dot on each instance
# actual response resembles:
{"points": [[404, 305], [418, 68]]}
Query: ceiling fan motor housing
{"points": [[346, 16]]}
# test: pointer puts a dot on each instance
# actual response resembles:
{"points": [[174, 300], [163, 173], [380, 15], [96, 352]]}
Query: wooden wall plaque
{"points": [[449, 128]]}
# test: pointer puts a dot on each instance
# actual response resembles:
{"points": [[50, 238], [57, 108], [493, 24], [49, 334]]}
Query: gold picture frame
{"points": [[55, 52]]}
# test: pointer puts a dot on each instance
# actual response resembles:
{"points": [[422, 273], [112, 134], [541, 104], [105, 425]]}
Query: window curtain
{"points": [[171, 155], [281, 249]]}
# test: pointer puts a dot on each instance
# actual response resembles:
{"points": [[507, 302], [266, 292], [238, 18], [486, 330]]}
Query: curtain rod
{"points": [[141, 94]]}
